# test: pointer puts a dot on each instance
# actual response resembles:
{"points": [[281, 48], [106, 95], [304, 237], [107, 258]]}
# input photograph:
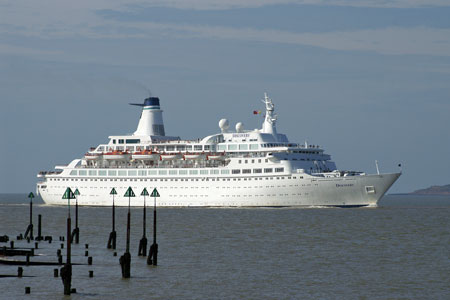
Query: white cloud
{"points": [[50, 19]]}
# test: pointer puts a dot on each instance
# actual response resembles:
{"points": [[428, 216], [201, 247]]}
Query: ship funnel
{"points": [[151, 121]]}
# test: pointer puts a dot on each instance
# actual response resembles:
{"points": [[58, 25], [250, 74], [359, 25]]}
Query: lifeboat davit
{"points": [[194, 156], [170, 156], [217, 156], [145, 155], [92, 156], [116, 155]]}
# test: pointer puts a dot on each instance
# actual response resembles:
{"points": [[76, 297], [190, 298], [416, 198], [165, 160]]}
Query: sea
{"points": [[398, 250]]}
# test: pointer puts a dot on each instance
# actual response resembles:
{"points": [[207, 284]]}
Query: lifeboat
{"points": [[92, 156], [145, 155], [116, 155], [217, 156], [170, 156], [194, 156]]}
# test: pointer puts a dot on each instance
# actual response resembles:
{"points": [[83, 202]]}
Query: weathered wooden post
{"points": [[30, 225], [152, 258], [125, 260], [143, 242], [66, 271], [76, 231], [112, 235]]}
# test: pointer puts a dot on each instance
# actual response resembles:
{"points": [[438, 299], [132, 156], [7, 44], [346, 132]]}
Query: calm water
{"points": [[399, 250]]}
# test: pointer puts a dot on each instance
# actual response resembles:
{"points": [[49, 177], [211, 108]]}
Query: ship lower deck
{"points": [[264, 191]]}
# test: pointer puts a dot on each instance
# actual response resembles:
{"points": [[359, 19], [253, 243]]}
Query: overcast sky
{"points": [[367, 80]]}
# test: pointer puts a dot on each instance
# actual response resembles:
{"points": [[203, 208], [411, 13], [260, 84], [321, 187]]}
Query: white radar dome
{"points": [[224, 125], [239, 127]]}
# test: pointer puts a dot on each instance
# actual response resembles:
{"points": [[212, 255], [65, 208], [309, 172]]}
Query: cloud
{"points": [[49, 19]]}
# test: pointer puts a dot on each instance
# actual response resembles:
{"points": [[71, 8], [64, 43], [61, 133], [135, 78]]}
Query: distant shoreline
{"points": [[443, 190]]}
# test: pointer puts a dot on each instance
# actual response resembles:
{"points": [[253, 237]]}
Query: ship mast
{"points": [[269, 124]]}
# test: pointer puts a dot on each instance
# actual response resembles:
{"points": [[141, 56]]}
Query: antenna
{"points": [[376, 164]]}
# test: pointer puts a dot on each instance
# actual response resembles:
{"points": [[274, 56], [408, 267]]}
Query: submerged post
{"points": [[66, 271], [76, 231], [153, 253], [143, 242], [29, 230], [125, 260], [112, 235], [39, 237]]}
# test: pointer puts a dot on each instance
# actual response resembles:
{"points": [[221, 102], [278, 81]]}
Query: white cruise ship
{"points": [[241, 168]]}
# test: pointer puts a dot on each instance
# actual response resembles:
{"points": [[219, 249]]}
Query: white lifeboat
{"points": [[146, 155], [116, 155], [170, 156], [217, 156], [194, 156], [90, 156]]}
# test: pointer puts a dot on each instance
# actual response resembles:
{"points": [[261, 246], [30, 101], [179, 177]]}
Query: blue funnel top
{"points": [[150, 101]]}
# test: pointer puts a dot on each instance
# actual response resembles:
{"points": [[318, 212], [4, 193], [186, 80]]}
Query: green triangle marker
{"points": [[144, 192], [129, 193], [68, 194], [113, 192], [154, 193], [77, 192], [30, 195]]}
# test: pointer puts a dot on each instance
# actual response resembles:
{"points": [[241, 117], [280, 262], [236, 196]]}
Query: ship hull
{"points": [[266, 191]]}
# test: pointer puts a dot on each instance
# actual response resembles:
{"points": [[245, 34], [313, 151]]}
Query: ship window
{"points": [[232, 147], [112, 173], [183, 172], [207, 147], [120, 148], [214, 172], [221, 147], [370, 189], [121, 141], [152, 172], [102, 173], [189, 148], [181, 148], [240, 161], [133, 141], [268, 170], [243, 146], [246, 161], [82, 173], [193, 172], [132, 173], [246, 171], [204, 172], [257, 171], [279, 169], [73, 172], [197, 147], [122, 173], [170, 148], [173, 172], [114, 141], [225, 172], [236, 171], [253, 146], [142, 172], [162, 172]]}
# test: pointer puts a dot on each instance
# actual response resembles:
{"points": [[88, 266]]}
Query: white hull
{"points": [[264, 191]]}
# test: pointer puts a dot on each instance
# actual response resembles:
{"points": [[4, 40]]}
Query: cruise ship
{"points": [[232, 168]]}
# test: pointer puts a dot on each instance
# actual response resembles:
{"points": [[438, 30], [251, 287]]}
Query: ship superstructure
{"points": [[243, 168]]}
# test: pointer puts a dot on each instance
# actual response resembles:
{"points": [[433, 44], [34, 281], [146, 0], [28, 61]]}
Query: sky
{"points": [[367, 80]]}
